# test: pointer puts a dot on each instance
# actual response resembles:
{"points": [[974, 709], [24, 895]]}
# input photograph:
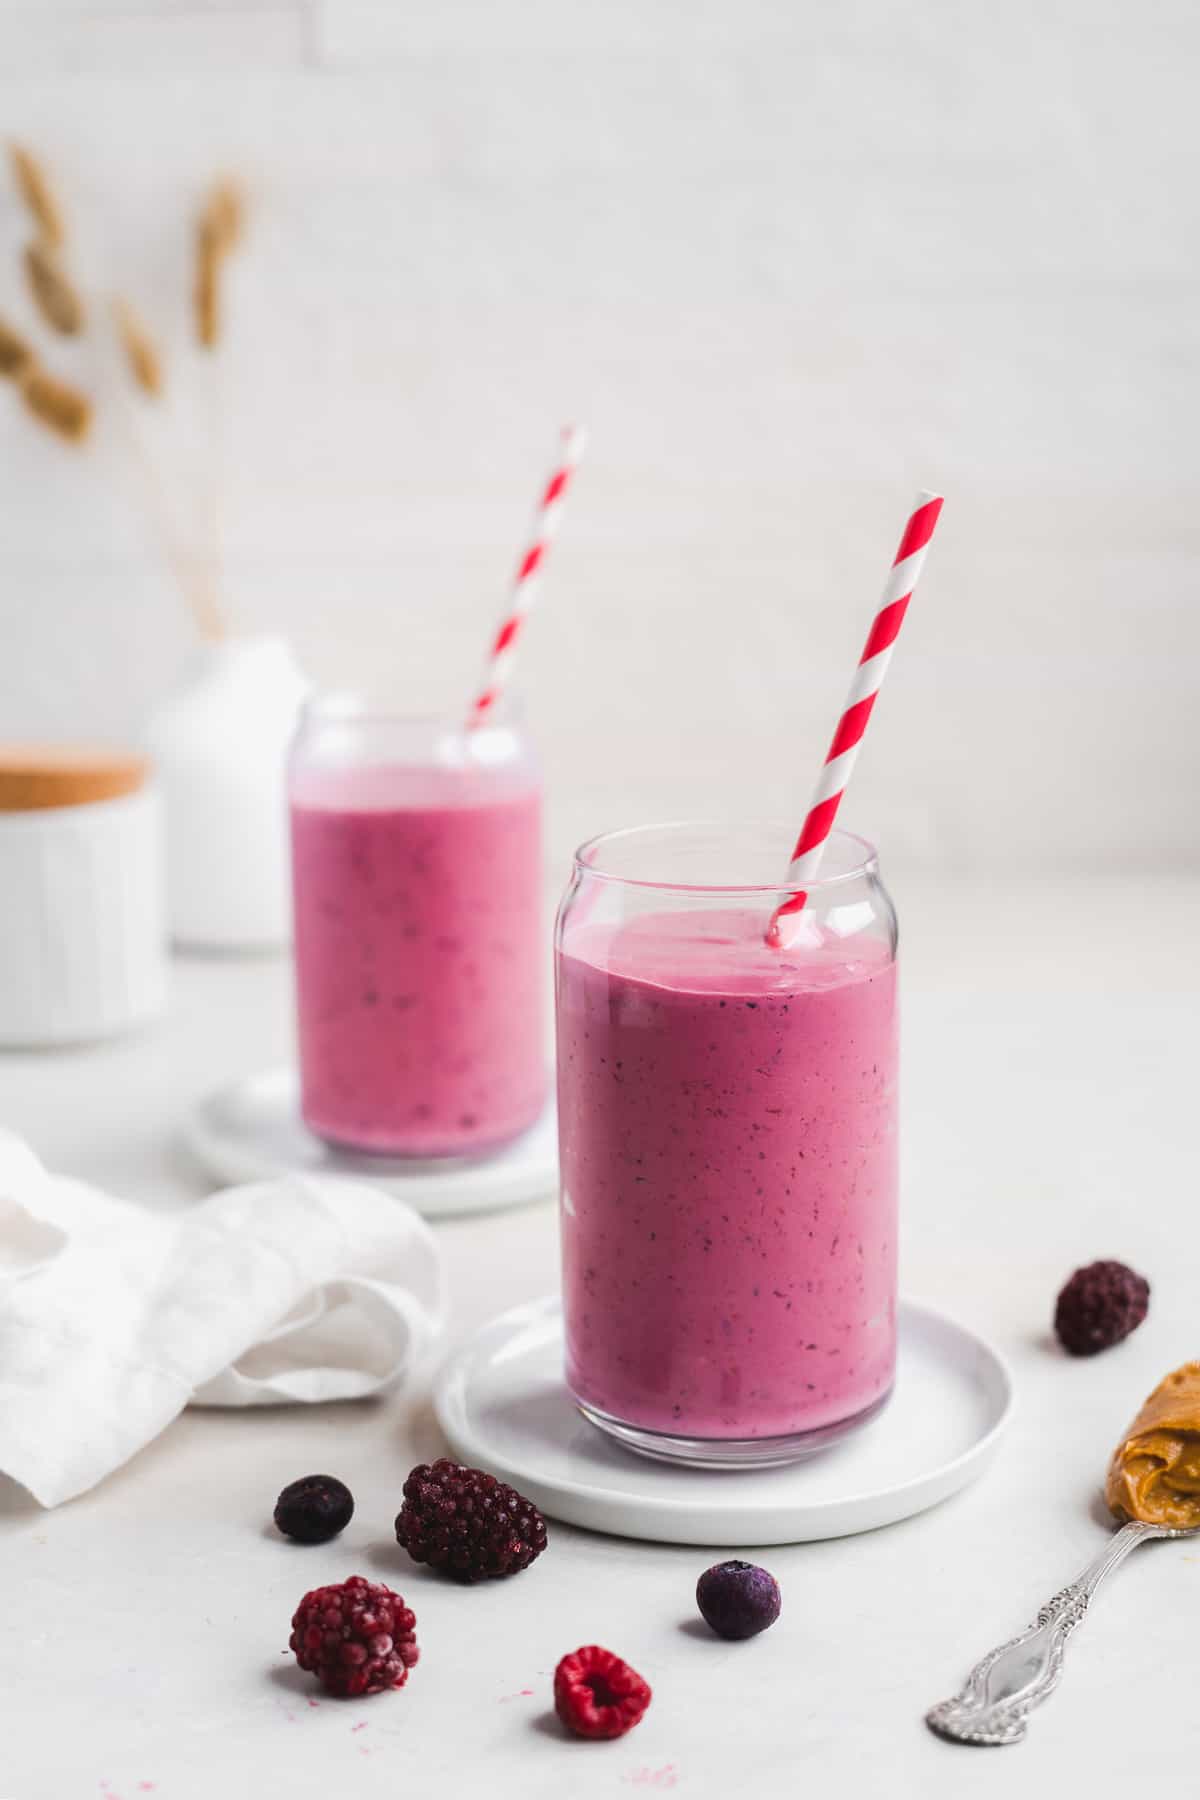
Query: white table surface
{"points": [[1051, 1100]]}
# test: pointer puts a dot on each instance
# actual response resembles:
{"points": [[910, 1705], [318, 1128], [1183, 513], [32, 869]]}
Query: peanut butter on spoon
{"points": [[1155, 1473]]}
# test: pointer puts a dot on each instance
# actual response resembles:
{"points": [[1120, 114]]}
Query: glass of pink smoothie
{"points": [[727, 1130], [417, 873]]}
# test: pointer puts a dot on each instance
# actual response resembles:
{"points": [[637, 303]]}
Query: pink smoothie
{"points": [[728, 1131], [419, 955]]}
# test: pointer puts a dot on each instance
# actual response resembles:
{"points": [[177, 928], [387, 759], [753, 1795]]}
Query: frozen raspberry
{"points": [[738, 1599], [596, 1695], [357, 1637], [314, 1509], [1099, 1306], [466, 1522]]}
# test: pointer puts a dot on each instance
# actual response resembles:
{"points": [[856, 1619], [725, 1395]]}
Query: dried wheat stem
{"points": [[63, 408], [207, 290], [191, 577], [141, 352], [16, 352], [58, 300], [38, 195], [207, 612], [226, 214], [187, 568], [219, 230]]}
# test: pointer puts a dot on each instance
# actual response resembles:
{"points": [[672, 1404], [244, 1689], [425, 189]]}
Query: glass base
{"points": [[385, 1159], [404, 1159], [730, 1453]]}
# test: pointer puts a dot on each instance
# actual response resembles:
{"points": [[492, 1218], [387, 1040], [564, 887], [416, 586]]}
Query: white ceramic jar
{"points": [[219, 744], [82, 930]]}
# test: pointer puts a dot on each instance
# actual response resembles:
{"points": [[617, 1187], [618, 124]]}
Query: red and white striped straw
{"points": [[868, 679], [528, 577]]}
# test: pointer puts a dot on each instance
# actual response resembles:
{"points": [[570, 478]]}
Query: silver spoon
{"points": [[994, 1703]]}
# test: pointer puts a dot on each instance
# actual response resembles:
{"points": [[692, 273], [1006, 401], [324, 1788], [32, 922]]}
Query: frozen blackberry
{"points": [[1100, 1306], [356, 1637], [738, 1599], [314, 1509], [467, 1523]]}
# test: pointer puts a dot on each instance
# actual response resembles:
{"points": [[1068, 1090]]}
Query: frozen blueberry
{"points": [[314, 1509], [738, 1599]]}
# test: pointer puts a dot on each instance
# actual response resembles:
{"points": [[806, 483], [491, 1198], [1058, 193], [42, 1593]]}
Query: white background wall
{"points": [[789, 261]]}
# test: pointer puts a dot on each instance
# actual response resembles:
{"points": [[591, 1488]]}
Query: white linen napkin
{"points": [[114, 1318]]}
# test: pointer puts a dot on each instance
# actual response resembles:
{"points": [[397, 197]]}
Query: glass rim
{"points": [[360, 706], [867, 863]]}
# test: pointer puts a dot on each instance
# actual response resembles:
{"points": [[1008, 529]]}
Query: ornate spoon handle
{"points": [[993, 1704]]}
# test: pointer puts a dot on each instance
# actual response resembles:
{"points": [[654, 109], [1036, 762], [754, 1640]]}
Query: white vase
{"points": [[219, 744]]}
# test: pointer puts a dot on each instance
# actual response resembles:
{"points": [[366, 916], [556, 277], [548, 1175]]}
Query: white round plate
{"points": [[501, 1403], [252, 1131]]}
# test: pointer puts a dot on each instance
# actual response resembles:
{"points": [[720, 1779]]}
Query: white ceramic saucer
{"points": [[501, 1402], [252, 1131]]}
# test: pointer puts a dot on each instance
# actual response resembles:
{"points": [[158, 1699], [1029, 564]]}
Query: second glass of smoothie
{"points": [[727, 1124], [417, 871]]}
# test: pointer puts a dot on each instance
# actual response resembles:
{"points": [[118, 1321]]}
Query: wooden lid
{"points": [[37, 776]]}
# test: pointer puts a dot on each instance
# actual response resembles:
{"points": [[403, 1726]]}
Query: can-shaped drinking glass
{"points": [[727, 1123], [417, 878]]}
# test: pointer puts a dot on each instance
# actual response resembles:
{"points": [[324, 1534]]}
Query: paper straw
{"points": [[868, 679], [528, 577]]}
